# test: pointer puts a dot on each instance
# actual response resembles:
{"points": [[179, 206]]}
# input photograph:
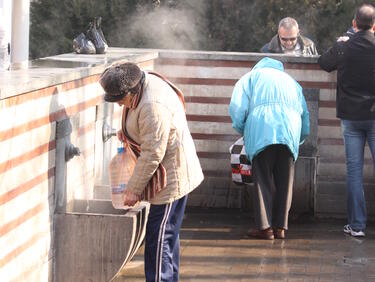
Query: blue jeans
{"points": [[355, 134]]}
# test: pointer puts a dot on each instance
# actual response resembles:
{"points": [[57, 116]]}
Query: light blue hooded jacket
{"points": [[267, 107]]}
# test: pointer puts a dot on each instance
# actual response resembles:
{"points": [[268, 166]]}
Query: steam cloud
{"points": [[169, 27]]}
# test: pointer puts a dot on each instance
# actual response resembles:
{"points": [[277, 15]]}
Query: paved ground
{"points": [[214, 247]]}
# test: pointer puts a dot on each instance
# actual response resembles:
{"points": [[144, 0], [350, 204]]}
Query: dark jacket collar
{"points": [[275, 46], [365, 33]]}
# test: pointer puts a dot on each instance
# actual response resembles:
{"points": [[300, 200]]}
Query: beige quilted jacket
{"points": [[159, 125]]}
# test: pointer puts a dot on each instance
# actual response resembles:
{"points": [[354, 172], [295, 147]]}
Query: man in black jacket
{"points": [[354, 60], [289, 41]]}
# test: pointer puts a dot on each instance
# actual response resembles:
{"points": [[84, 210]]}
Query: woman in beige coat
{"points": [[167, 168]]}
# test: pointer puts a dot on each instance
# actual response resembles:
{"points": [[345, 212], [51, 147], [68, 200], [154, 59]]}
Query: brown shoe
{"points": [[279, 233], [266, 234]]}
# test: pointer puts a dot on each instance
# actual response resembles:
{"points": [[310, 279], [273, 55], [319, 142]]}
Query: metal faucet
{"points": [[71, 151], [108, 132]]}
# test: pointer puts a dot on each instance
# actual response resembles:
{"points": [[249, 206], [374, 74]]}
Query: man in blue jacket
{"points": [[268, 108], [354, 60]]}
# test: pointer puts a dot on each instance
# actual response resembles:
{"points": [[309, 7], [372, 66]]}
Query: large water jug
{"points": [[120, 170]]}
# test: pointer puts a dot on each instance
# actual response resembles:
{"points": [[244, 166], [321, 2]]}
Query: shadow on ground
{"points": [[215, 247]]}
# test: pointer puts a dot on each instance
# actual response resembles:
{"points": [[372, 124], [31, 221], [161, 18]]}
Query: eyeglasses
{"points": [[128, 92], [285, 39]]}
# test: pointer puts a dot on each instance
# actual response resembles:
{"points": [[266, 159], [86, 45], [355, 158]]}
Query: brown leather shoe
{"points": [[279, 233], [266, 234]]}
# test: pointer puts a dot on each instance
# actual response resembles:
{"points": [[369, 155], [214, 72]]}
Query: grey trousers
{"points": [[273, 170]]}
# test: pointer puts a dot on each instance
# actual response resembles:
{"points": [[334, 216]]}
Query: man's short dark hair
{"points": [[365, 17]]}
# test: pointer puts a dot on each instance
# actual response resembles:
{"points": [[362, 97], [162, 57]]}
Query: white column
{"points": [[19, 54], [5, 31]]}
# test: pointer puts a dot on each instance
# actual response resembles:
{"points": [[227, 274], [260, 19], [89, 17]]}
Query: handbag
{"points": [[95, 34], [82, 45], [99, 28], [241, 166]]}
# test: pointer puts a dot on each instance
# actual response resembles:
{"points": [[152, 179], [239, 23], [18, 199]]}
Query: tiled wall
{"points": [[27, 171], [208, 85]]}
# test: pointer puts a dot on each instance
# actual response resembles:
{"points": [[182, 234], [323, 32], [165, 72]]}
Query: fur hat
{"points": [[118, 80]]}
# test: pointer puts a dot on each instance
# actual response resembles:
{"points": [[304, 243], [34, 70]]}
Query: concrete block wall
{"points": [[28, 169], [207, 83], [207, 86]]}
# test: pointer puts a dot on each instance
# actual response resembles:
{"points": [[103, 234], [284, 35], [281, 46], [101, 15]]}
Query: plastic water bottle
{"points": [[120, 170]]}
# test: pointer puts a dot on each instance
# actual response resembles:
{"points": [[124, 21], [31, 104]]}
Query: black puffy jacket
{"points": [[354, 61]]}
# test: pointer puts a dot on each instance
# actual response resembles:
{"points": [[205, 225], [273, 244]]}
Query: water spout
{"points": [[108, 132], [65, 151], [71, 151]]}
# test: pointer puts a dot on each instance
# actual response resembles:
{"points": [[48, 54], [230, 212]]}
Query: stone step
{"points": [[102, 192], [330, 198], [328, 168]]}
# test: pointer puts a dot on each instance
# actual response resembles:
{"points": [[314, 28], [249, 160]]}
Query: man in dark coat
{"points": [[354, 60], [289, 41]]}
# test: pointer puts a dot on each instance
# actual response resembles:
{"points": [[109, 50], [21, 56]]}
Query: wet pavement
{"points": [[215, 247]]}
